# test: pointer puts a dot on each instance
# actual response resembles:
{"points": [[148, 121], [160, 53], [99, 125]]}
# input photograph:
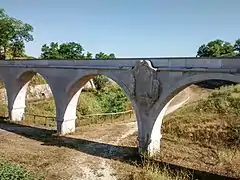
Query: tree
{"points": [[237, 47], [88, 56], [104, 56], [69, 50], [100, 81], [50, 52], [216, 48], [72, 50], [13, 34]]}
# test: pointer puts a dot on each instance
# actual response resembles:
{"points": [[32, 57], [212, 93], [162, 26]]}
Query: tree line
{"points": [[15, 33]]}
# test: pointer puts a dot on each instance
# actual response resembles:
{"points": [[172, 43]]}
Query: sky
{"points": [[129, 28]]}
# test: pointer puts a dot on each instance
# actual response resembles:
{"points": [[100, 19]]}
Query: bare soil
{"points": [[93, 151]]}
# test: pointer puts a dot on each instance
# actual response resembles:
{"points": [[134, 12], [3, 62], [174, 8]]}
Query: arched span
{"points": [[79, 82], [74, 90], [169, 93], [17, 94], [26, 76], [193, 79]]}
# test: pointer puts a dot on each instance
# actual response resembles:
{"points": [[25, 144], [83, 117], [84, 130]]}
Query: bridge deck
{"points": [[228, 65]]}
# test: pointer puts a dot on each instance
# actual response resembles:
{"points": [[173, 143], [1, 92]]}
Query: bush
{"points": [[37, 79], [88, 104], [223, 101], [100, 82], [112, 99], [10, 171], [212, 121]]}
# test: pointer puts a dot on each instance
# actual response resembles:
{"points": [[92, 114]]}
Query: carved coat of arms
{"points": [[146, 86]]}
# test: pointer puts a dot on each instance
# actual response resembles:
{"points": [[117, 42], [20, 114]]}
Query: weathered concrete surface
{"points": [[150, 84]]}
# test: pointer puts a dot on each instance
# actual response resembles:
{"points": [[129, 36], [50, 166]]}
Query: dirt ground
{"points": [[86, 154]]}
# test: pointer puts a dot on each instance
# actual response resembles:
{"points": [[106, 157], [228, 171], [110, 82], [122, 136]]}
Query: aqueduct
{"points": [[150, 84]]}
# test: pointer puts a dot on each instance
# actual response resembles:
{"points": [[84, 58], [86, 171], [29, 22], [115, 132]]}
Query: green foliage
{"points": [[100, 81], [219, 48], [104, 56], [13, 34], [237, 47], [45, 107], [50, 52], [37, 79], [69, 50], [214, 120], [110, 99], [113, 99], [223, 101], [10, 171], [88, 104]]}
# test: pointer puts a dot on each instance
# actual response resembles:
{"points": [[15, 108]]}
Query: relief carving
{"points": [[146, 86]]}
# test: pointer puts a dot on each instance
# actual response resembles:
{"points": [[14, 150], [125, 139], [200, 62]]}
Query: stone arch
{"points": [[187, 80], [74, 89], [17, 95], [166, 98]]}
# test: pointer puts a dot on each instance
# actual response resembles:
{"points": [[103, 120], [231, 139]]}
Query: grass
{"points": [[10, 171], [109, 100], [213, 121], [148, 170], [203, 135]]}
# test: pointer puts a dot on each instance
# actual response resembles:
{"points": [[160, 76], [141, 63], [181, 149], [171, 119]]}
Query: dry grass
{"points": [[195, 137]]}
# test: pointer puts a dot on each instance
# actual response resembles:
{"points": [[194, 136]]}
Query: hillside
{"points": [[203, 135]]}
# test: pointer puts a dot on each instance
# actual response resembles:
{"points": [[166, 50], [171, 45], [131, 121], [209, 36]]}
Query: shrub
{"points": [[88, 104], [10, 171], [223, 101], [100, 81], [214, 120], [112, 99]]}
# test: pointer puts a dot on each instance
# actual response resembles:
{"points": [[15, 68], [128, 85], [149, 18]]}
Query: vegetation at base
{"points": [[148, 171], [213, 121], [224, 101], [9, 171], [110, 99], [211, 126]]}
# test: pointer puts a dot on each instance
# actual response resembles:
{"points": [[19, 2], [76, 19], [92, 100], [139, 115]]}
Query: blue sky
{"points": [[129, 28]]}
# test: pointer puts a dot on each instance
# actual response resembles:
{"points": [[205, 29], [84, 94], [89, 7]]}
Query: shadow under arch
{"points": [[24, 79], [75, 88]]}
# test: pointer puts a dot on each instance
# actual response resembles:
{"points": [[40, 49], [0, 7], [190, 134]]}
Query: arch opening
{"points": [[36, 98], [106, 101], [210, 118]]}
